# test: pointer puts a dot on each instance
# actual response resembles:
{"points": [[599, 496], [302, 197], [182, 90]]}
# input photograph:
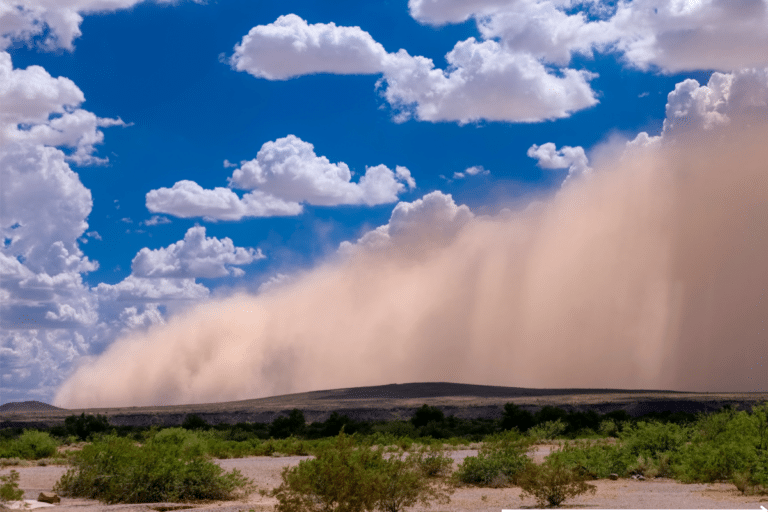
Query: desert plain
{"points": [[399, 401]]}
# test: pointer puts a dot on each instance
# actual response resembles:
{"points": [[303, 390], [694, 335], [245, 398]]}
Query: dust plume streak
{"points": [[648, 273]]}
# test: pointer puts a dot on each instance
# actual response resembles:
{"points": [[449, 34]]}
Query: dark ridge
{"points": [[29, 406], [443, 389]]}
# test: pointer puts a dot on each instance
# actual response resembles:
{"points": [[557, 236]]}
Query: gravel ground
{"points": [[265, 471]]}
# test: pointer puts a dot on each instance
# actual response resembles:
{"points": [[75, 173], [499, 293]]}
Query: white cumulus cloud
{"points": [[188, 199], [441, 12], [672, 35], [134, 288], [572, 158], [195, 256], [285, 174], [288, 168], [692, 107], [485, 79], [290, 47], [37, 108], [435, 218], [51, 24]]}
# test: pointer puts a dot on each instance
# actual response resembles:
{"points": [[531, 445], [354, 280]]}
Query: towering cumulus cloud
{"points": [[649, 273]]}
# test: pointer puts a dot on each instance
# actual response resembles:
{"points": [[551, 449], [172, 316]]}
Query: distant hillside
{"points": [[389, 402], [29, 406], [446, 389]]}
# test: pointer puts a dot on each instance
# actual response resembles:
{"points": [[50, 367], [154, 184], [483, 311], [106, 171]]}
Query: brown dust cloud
{"points": [[648, 273]]}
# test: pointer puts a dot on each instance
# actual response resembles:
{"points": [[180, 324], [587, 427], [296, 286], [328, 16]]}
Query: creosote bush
{"points": [[552, 483], [498, 461], [598, 459], [547, 430], [31, 445], [168, 468], [344, 478], [434, 462], [9, 490]]}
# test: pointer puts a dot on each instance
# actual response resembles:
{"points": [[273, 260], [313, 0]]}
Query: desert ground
{"points": [[399, 401], [265, 472]]}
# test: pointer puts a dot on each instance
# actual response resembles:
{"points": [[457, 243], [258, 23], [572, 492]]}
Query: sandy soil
{"points": [[265, 472]]}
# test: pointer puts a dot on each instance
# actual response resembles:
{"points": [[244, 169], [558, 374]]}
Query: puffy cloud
{"points": [[683, 35], [285, 173], [195, 256], [485, 80], [134, 288], [291, 47], [440, 12], [572, 158], [188, 199], [503, 77], [48, 317], [435, 218], [674, 36], [288, 168], [51, 23], [544, 31], [33, 361], [694, 107], [39, 109], [132, 320], [46, 238], [31, 95]]}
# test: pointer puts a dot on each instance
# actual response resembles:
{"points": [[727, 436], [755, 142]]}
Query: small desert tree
{"points": [[552, 483], [405, 483]]}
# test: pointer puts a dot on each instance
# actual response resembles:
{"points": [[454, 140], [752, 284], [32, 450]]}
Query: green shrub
{"points": [[339, 478], [653, 438], [755, 479], [434, 462], [427, 414], [292, 425], [498, 461], [608, 428], [582, 423], [593, 458], [549, 413], [713, 462], [169, 468], [194, 422], [403, 484], [515, 417], [552, 483], [84, 426], [547, 430], [31, 445], [9, 490], [348, 479], [760, 415]]}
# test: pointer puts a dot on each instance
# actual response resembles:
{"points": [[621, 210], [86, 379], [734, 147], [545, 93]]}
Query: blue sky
{"points": [[166, 75]]}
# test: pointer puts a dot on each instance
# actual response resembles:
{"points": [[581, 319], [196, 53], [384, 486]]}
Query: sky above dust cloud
{"points": [[209, 201]]}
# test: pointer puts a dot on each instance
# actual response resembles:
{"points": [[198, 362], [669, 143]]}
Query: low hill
{"points": [[29, 406], [397, 401]]}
